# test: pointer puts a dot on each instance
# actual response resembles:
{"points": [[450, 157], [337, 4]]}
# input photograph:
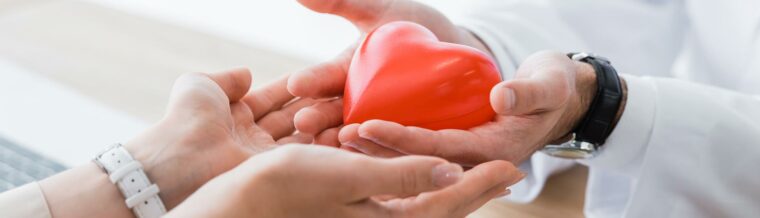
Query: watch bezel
{"points": [[573, 149]]}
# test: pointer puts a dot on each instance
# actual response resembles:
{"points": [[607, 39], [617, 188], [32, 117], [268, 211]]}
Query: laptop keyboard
{"points": [[19, 166]]}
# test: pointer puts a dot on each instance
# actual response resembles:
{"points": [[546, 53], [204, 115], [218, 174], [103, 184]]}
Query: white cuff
{"points": [[26, 201], [626, 145]]}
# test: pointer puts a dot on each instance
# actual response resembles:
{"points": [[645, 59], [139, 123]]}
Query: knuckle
{"points": [[410, 181]]}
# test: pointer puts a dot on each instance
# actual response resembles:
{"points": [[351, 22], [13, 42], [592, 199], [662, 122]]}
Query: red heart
{"points": [[402, 73]]}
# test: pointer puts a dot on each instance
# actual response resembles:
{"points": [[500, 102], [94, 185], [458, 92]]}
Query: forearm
{"points": [[679, 139], [84, 191], [676, 113]]}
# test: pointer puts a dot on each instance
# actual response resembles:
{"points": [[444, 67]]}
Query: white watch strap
{"points": [[124, 171]]}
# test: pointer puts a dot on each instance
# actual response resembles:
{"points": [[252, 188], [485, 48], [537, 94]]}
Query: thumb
{"points": [[406, 176], [235, 82], [204, 91], [356, 11], [526, 96], [544, 82]]}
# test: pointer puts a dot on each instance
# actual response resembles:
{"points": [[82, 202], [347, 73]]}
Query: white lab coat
{"points": [[688, 144]]}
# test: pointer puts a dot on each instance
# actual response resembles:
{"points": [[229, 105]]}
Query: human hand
{"points": [[327, 80], [211, 126], [317, 181], [547, 98]]}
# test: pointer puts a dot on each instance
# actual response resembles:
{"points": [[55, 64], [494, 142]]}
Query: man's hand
{"points": [[315, 181], [211, 126], [547, 98], [327, 80]]}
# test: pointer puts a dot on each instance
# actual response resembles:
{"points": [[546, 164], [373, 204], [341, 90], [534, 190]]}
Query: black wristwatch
{"points": [[594, 128]]}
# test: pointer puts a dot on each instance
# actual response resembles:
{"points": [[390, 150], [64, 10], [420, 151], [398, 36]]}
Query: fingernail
{"points": [[509, 98], [520, 176], [367, 137], [446, 174], [504, 193]]}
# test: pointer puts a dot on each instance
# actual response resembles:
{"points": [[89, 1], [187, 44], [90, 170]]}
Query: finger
{"points": [[327, 79], [456, 145], [547, 86], [404, 176], [298, 138], [248, 131], [526, 96], [242, 115], [350, 149], [490, 194], [479, 180], [328, 137], [269, 98], [349, 137], [356, 11], [194, 92], [235, 82], [372, 149], [321, 116], [482, 182], [279, 123], [504, 192]]}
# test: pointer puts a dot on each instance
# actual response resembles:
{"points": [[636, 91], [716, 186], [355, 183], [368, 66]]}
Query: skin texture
{"points": [[547, 97], [212, 126], [319, 181]]}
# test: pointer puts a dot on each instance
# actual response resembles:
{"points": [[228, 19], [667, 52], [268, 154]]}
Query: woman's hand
{"points": [[211, 126], [316, 181]]}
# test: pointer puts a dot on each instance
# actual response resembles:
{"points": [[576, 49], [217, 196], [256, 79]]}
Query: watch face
{"points": [[568, 152]]}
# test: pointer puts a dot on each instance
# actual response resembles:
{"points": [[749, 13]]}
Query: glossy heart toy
{"points": [[402, 73]]}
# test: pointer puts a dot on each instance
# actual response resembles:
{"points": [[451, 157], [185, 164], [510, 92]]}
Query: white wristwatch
{"points": [[127, 173]]}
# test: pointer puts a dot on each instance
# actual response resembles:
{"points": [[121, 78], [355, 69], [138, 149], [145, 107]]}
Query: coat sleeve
{"points": [[25, 201], [681, 148]]}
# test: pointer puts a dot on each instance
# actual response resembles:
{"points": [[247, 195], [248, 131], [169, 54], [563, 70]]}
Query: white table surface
{"points": [[56, 121]]}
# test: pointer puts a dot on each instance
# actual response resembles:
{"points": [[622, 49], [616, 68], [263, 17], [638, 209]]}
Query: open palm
{"points": [[220, 125], [327, 80]]}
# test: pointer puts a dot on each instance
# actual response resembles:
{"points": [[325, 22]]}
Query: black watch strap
{"points": [[598, 122]]}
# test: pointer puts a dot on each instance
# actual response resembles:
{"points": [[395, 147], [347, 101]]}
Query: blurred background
{"points": [[76, 76]]}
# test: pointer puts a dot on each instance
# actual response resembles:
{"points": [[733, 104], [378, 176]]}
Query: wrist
{"points": [[623, 102], [578, 105], [163, 166], [84, 191], [586, 87]]}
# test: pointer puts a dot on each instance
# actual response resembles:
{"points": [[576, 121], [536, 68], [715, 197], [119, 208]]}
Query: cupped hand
{"points": [[546, 99], [327, 80], [318, 181], [212, 124]]}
